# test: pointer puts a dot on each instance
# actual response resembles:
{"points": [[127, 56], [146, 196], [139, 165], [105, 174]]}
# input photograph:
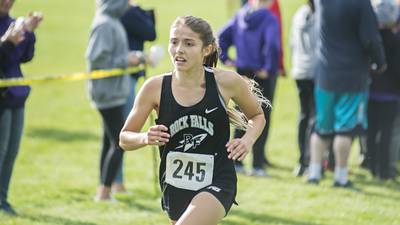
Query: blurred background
{"points": [[57, 168]]}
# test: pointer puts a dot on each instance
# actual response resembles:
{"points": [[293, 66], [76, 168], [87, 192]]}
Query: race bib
{"points": [[188, 170]]}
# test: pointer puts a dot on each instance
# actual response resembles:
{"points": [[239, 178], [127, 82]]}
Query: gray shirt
{"points": [[108, 49], [348, 42]]}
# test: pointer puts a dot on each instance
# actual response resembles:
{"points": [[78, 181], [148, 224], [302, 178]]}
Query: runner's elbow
{"points": [[122, 141]]}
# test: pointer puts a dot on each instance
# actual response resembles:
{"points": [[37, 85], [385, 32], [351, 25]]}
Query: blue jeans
{"points": [[119, 179], [11, 126]]}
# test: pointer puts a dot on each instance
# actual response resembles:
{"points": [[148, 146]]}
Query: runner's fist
{"points": [[157, 135]]}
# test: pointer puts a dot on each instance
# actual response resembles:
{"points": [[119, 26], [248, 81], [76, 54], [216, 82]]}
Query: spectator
{"points": [[254, 32], [20, 50], [139, 25], [274, 8], [384, 96], [348, 39], [11, 38], [303, 38], [108, 49]]}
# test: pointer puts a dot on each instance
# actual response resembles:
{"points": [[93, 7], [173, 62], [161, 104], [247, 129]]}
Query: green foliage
{"points": [[56, 173]]}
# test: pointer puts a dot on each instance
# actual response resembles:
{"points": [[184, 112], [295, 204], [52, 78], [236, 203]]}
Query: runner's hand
{"points": [[157, 135], [238, 149]]}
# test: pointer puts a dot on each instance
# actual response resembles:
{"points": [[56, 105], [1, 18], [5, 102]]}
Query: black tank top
{"points": [[202, 129]]}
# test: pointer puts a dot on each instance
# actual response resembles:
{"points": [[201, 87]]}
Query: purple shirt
{"points": [[10, 66], [255, 36]]}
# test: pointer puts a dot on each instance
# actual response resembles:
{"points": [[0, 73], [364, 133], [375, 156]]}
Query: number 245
{"points": [[188, 171]]}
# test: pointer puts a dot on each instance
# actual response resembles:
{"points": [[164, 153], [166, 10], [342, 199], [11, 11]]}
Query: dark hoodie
{"points": [[255, 35], [386, 87]]}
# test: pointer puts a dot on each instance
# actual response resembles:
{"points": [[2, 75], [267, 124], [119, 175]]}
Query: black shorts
{"points": [[175, 200]]}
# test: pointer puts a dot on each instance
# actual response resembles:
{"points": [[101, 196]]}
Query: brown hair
{"points": [[203, 28]]}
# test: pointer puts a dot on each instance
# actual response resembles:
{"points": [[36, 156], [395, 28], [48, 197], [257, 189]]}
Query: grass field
{"points": [[56, 173]]}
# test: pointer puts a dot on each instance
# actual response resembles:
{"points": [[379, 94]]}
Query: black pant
{"points": [[381, 116], [306, 118], [267, 87], [111, 153]]}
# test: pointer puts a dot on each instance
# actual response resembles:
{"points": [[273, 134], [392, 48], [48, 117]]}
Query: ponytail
{"points": [[211, 60], [236, 117]]}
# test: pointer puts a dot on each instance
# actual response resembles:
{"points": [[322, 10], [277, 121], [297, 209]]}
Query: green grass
{"points": [[56, 173]]}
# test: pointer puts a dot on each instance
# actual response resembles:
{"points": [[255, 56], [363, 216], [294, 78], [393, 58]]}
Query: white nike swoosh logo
{"points": [[211, 110]]}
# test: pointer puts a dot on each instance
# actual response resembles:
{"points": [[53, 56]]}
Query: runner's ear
{"points": [[207, 50]]}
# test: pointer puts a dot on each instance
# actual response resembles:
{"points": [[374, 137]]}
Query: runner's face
{"points": [[185, 48], [5, 6]]}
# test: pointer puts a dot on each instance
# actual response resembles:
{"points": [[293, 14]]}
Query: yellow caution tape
{"points": [[97, 74]]}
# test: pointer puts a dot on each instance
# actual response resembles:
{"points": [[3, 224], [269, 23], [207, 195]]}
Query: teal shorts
{"points": [[340, 113]]}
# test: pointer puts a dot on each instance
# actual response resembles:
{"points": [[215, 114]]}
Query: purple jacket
{"points": [[10, 66], [255, 36]]}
